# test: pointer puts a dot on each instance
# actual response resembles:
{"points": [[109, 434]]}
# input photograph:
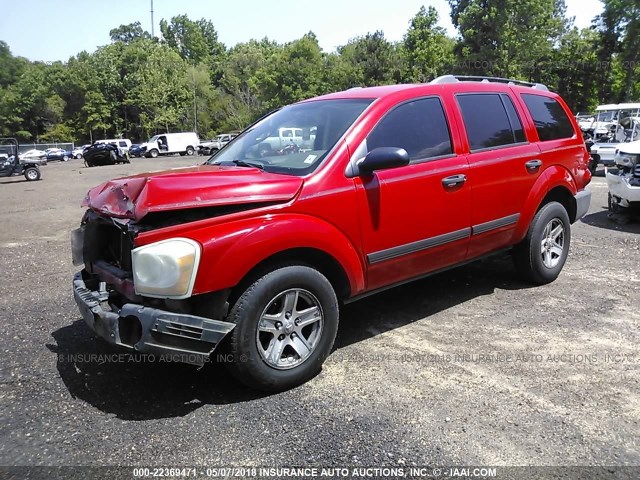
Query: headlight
{"points": [[626, 159], [166, 269]]}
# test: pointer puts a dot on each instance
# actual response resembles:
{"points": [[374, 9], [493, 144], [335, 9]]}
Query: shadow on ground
{"points": [[621, 222], [138, 389]]}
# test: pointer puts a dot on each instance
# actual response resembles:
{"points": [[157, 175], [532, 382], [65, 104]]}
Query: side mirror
{"points": [[382, 158]]}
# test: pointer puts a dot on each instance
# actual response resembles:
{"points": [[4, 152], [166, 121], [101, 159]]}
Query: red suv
{"points": [[322, 203]]}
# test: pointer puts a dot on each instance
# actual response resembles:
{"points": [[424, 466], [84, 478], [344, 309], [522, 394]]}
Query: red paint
{"points": [[193, 187], [351, 218]]}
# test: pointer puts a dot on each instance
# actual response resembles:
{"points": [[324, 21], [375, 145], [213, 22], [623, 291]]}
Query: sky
{"points": [[50, 30]]}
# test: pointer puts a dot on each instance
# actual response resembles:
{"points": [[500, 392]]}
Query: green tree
{"points": [[293, 73], [619, 52], [426, 48], [195, 41], [377, 60], [128, 33], [508, 38]]}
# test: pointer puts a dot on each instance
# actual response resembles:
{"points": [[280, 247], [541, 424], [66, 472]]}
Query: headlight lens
{"points": [[166, 269], [626, 159]]}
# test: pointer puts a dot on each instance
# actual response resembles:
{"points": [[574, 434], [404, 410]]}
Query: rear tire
{"points": [[540, 257], [286, 323]]}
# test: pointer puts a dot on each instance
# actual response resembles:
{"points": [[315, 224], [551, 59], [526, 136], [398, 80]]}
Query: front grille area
{"points": [[106, 242]]}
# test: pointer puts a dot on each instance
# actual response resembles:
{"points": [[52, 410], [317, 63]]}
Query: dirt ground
{"points": [[470, 367]]}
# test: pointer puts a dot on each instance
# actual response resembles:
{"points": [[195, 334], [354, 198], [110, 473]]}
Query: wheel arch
{"points": [[563, 196], [554, 184], [312, 257]]}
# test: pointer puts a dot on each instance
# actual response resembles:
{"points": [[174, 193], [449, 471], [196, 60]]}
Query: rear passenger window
{"points": [[550, 118], [419, 126], [491, 120]]}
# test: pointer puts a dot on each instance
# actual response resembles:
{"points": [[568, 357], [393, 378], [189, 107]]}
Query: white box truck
{"points": [[184, 143]]}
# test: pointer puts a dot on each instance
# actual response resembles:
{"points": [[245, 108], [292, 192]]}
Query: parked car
{"points": [[34, 153], [123, 143], [255, 252], [136, 150], [77, 151], [58, 154], [210, 146], [624, 183], [12, 165], [104, 154]]}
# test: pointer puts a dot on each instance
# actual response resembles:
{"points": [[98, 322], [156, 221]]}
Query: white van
{"points": [[184, 143], [122, 143]]}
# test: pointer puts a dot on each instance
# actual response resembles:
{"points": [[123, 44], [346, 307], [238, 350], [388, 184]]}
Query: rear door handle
{"points": [[533, 165], [454, 180]]}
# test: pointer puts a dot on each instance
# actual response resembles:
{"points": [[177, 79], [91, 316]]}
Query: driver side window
{"points": [[418, 126]]}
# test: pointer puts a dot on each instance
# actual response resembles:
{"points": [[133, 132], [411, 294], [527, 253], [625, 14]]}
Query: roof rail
{"points": [[470, 78]]}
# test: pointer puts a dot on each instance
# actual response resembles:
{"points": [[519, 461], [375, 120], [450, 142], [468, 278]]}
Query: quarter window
{"points": [[419, 126], [552, 122], [490, 120]]}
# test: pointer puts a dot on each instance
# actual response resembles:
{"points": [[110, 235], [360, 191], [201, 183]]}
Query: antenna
{"points": [[152, 32]]}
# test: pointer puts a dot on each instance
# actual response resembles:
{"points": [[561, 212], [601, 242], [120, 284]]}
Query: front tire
{"points": [[286, 323], [154, 153], [541, 255], [32, 174]]}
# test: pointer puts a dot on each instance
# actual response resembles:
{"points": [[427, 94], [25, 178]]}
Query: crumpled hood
{"points": [[193, 187]]}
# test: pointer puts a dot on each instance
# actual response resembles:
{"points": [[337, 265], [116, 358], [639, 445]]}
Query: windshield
{"points": [[609, 116], [153, 139], [295, 139]]}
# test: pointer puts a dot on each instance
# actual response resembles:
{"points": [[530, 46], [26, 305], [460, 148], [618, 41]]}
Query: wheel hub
{"points": [[289, 329]]}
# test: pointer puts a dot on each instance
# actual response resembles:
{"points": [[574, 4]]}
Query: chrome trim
{"points": [[494, 224], [414, 247]]}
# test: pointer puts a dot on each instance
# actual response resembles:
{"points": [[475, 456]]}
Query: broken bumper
{"points": [[175, 336], [625, 188]]}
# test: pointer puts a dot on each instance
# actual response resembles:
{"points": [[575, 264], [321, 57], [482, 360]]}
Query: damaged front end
{"points": [[141, 296], [624, 184], [104, 291]]}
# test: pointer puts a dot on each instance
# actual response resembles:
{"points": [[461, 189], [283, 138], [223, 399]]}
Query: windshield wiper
{"points": [[243, 163]]}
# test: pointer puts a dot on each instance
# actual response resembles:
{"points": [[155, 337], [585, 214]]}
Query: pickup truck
{"points": [[254, 252]]}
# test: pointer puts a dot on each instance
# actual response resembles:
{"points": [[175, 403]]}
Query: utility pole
{"points": [[152, 31], [195, 105]]}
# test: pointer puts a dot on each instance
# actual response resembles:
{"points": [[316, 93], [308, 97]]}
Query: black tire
{"points": [[32, 174], [65, 158], [593, 165], [264, 150], [528, 256], [248, 365], [189, 151], [153, 153]]}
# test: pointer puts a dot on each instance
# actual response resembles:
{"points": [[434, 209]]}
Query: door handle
{"points": [[454, 180], [533, 165]]}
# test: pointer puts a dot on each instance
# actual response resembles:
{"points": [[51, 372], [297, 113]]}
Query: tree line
{"points": [[139, 85]]}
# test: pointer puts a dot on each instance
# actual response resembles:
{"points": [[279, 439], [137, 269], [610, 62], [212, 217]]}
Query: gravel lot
{"points": [[470, 367]]}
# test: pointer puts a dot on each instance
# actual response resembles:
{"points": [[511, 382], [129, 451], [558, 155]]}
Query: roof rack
{"points": [[470, 78]]}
